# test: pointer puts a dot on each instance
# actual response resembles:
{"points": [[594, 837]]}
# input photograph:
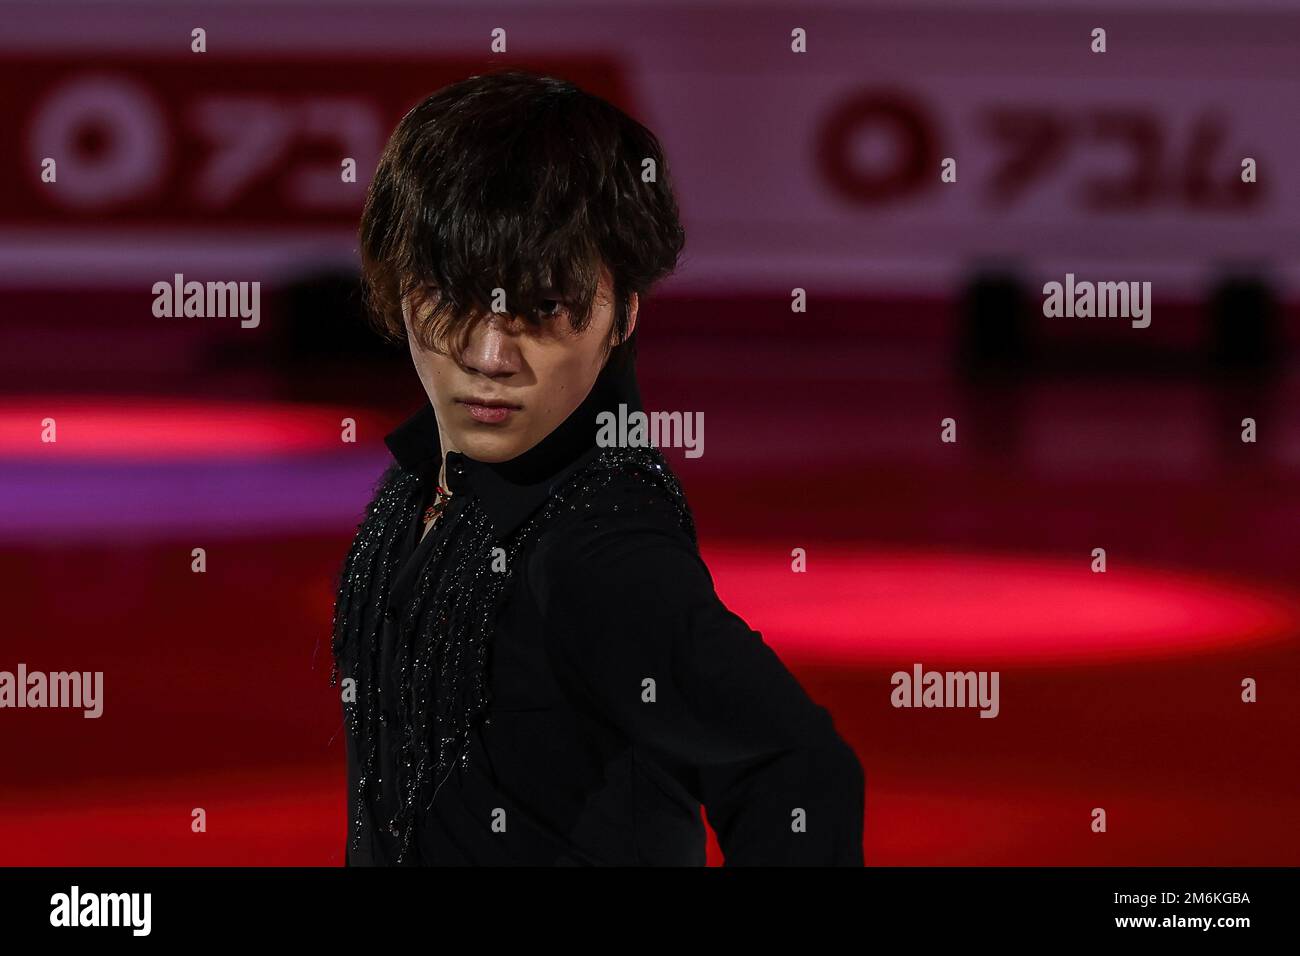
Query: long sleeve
{"points": [[637, 631]]}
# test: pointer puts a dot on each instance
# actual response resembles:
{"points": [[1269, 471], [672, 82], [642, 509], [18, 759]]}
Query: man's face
{"points": [[514, 383]]}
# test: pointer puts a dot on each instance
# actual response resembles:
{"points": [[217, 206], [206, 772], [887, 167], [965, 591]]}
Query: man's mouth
{"points": [[490, 411]]}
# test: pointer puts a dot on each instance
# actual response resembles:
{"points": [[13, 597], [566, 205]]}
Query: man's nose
{"points": [[492, 349]]}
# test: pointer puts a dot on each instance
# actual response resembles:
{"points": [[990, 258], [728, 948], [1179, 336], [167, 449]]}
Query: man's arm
{"points": [[637, 631]]}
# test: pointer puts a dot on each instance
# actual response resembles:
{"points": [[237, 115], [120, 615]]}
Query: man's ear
{"points": [[632, 304]]}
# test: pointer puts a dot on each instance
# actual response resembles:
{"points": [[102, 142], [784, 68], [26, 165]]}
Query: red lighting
{"points": [[128, 429], [865, 606]]}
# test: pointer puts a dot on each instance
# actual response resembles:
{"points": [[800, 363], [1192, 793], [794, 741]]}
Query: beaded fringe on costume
{"points": [[445, 653]]}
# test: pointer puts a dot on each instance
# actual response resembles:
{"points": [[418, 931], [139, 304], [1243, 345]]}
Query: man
{"points": [[536, 668]]}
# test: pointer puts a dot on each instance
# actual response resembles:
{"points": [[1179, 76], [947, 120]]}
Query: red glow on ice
{"points": [[871, 606], [138, 429]]}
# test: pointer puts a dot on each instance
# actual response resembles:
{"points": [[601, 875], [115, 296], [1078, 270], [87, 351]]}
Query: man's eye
{"points": [[550, 308]]}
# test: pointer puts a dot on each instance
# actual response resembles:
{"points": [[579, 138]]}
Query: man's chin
{"points": [[492, 448]]}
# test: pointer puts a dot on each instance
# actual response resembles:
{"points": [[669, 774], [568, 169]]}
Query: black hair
{"points": [[517, 181]]}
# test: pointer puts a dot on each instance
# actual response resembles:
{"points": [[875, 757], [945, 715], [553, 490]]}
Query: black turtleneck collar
{"points": [[512, 490]]}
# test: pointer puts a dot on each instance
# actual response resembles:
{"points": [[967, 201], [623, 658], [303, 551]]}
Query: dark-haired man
{"points": [[536, 668]]}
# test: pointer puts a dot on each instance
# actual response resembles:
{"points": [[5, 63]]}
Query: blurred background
{"points": [[815, 171]]}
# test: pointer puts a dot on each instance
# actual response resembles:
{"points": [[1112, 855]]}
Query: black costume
{"points": [[548, 677]]}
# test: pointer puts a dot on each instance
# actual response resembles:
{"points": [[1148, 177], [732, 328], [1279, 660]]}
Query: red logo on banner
{"points": [[204, 141]]}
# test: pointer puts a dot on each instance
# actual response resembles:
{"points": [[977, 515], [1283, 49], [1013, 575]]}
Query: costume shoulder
{"points": [[631, 489], [625, 498]]}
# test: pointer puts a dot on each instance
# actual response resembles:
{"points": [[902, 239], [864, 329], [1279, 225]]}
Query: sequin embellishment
{"points": [[444, 636]]}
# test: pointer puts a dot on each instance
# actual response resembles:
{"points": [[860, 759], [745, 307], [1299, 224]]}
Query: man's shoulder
{"points": [[619, 505], [621, 491], [393, 481]]}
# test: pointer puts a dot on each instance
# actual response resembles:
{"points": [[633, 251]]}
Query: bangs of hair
{"points": [[519, 183]]}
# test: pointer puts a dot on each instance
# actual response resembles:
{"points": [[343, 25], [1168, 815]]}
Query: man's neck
{"points": [[442, 463]]}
